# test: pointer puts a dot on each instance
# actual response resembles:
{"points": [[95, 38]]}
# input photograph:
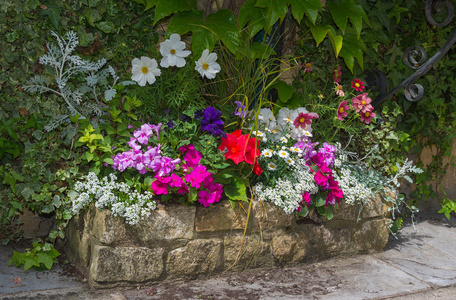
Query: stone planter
{"points": [[179, 242]]}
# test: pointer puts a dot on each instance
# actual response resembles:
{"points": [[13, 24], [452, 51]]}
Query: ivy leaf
{"points": [[276, 10], [165, 8], [352, 47], [45, 259], [53, 12], [309, 7], [380, 11], [348, 9], [256, 16], [222, 25], [105, 26]]}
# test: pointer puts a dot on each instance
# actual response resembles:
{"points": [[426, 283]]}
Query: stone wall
{"points": [[179, 242]]}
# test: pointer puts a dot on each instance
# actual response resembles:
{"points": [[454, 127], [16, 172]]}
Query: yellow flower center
{"points": [[339, 87], [172, 51], [302, 120], [357, 84], [145, 70], [205, 66], [363, 102], [367, 114], [341, 109], [308, 65]]}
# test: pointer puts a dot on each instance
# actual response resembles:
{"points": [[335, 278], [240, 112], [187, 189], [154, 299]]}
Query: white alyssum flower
{"points": [[173, 52], [118, 197], [144, 70], [207, 66]]}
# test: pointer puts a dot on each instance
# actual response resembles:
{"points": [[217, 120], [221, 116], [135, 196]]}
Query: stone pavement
{"points": [[420, 264]]}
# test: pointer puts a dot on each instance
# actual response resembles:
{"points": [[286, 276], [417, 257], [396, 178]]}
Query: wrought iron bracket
{"points": [[414, 91]]}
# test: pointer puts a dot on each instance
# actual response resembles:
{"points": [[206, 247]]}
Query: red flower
{"points": [[234, 144], [358, 85], [342, 110], [302, 120], [240, 148], [257, 169]]}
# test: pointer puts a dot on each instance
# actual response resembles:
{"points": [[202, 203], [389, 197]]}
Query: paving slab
{"points": [[426, 252], [15, 280]]}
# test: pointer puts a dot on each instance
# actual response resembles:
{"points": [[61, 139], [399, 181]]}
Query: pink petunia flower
{"points": [[160, 185], [306, 198], [336, 74], [358, 85], [197, 176], [342, 110]]}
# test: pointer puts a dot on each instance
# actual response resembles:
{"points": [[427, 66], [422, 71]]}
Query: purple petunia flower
{"points": [[212, 121], [199, 113], [241, 111], [170, 124]]}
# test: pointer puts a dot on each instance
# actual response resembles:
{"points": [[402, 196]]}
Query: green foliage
{"points": [[41, 257], [448, 207]]}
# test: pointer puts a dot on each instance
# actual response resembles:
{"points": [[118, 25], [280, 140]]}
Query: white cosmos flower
{"points": [[206, 65], [173, 52], [144, 70]]}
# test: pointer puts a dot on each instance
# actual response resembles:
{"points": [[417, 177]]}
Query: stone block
{"points": [[79, 239], [131, 264], [197, 257], [252, 253], [269, 216], [220, 217], [168, 222], [373, 235], [289, 247], [106, 227]]}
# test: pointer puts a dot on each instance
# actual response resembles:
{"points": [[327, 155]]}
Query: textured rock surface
{"points": [[135, 264], [179, 242]]}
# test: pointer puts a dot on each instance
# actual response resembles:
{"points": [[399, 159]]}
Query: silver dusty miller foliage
{"points": [[74, 79]]}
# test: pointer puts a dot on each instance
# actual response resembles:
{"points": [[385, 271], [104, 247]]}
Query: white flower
{"points": [[207, 66], [307, 134], [289, 161], [272, 166], [283, 154], [295, 149], [258, 133], [283, 139], [144, 70], [266, 153], [173, 52]]}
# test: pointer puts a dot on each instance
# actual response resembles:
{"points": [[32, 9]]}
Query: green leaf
{"points": [[277, 9], [319, 200], [285, 91], [236, 189], [184, 22], [222, 24], [319, 33], [309, 7], [106, 26], [30, 262], [329, 212], [352, 48], [165, 8], [45, 259], [254, 16], [9, 178], [347, 9], [261, 51], [202, 39], [53, 12]]}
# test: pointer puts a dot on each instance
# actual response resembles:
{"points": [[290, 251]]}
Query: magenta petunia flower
{"points": [[302, 120], [321, 179], [342, 110], [160, 185], [306, 198], [358, 85], [197, 176], [206, 198]]}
